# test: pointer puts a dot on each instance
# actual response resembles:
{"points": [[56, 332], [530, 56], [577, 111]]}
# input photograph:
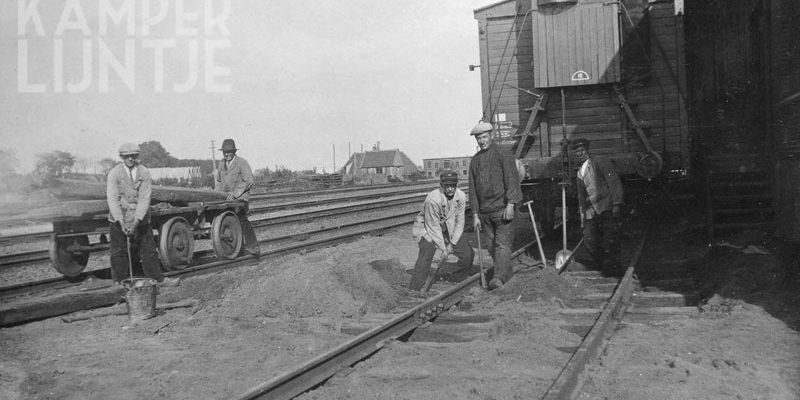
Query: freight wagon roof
{"points": [[484, 8]]}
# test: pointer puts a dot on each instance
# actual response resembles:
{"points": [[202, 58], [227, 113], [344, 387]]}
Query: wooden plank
{"points": [[541, 63], [51, 306], [573, 44], [615, 32], [586, 53], [84, 209], [551, 49], [593, 43], [77, 189]]}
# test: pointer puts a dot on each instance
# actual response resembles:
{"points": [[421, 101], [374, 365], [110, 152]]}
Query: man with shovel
{"points": [[494, 189], [439, 226], [128, 192], [599, 199]]}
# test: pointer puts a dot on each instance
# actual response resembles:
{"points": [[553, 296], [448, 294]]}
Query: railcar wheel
{"points": [[66, 256], [649, 165], [226, 235], [175, 244]]}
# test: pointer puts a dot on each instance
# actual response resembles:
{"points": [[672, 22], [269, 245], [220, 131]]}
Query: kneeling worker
{"points": [[439, 226]]}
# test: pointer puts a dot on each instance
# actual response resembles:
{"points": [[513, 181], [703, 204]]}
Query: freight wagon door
{"points": [[575, 43]]}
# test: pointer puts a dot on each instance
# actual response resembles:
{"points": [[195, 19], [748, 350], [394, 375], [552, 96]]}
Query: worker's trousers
{"points": [[501, 237], [462, 250], [601, 238], [143, 253]]}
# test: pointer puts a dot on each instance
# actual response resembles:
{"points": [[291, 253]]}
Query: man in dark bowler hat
{"points": [[235, 178]]}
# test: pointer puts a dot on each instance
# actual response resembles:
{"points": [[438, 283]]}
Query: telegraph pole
{"points": [[213, 159]]}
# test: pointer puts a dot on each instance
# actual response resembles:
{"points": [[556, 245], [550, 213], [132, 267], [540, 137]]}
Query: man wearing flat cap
{"points": [[235, 178], [599, 199], [440, 225], [494, 190], [128, 190]]}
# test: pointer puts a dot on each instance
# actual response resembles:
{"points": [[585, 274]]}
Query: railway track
{"points": [[38, 256], [443, 324], [309, 199], [275, 245], [454, 325]]}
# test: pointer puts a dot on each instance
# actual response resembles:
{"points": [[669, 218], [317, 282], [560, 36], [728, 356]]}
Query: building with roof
{"points": [[432, 167], [379, 166]]}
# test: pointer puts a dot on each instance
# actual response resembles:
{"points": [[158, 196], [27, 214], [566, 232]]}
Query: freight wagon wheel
{"points": [[66, 255], [649, 165], [226, 235], [176, 244]]}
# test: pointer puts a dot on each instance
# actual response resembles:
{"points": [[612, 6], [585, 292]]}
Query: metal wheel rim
{"points": [[226, 235], [176, 244], [69, 264]]}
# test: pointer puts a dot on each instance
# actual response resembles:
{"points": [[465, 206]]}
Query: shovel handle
{"points": [[130, 261], [536, 233], [480, 259]]}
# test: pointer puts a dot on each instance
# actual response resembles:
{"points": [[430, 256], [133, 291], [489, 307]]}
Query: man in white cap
{"points": [[440, 225], [235, 178], [494, 190], [128, 192]]}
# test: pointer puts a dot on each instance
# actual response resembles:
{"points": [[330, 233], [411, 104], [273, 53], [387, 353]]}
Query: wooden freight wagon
{"points": [[612, 72]]}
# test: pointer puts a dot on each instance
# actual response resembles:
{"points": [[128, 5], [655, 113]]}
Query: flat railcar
{"points": [[177, 229]]}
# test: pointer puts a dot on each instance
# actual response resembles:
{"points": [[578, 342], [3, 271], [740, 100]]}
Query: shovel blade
{"points": [[562, 257]]}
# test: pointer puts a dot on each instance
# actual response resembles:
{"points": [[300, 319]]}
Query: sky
{"points": [[291, 82]]}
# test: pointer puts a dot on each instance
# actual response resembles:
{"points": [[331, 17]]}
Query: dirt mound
{"points": [[328, 282]]}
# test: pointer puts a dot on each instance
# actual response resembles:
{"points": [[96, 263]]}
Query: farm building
{"points": [[379, 166], [669, 90]]}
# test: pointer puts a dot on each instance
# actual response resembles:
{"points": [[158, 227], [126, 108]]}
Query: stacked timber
{"points": [[84, 190], [87, 200]]}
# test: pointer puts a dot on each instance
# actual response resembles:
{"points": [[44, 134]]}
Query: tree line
{"points": [[62, 164]]}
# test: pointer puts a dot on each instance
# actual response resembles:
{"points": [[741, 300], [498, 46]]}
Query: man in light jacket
{"points": [[128, 191], [599, 198], [235, 178], [440, 225]]}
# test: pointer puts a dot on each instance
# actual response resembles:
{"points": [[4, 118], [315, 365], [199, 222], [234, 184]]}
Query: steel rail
{"points": [[270, 208], [44, 255], [318, 202], [568, 379], [23, 258], [63, 282], [314, 372], [323, 192]]}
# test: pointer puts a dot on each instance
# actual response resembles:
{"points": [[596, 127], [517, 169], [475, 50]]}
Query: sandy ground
{"points": [[256, 321]]}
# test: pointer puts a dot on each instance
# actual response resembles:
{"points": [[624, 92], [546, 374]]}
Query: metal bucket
{"points": [[141, 298]]}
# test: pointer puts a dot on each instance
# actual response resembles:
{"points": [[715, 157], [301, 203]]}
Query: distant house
{"points": [[432, 167], [379, 166]]}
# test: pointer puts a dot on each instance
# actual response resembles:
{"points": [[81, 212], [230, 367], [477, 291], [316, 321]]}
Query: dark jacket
{"points": [[600, 188], [493, 181]]}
